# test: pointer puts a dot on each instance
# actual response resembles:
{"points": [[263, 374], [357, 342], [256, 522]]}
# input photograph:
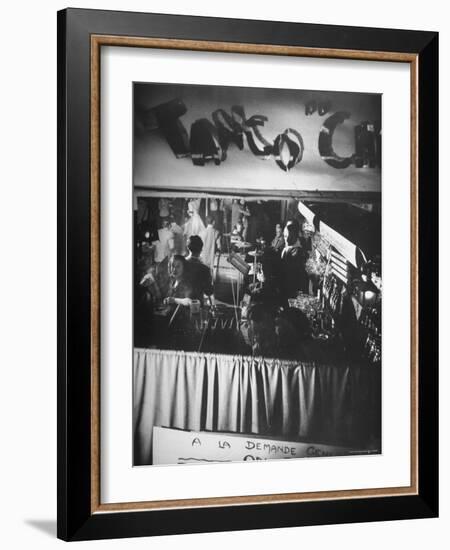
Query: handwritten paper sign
{"points": [[185, 447]]}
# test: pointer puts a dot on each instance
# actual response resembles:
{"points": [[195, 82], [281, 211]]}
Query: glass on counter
{"points": [[322, 323]]}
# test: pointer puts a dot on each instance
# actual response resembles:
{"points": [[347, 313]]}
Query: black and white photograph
{"points": [[232, 216], [257, 269]]}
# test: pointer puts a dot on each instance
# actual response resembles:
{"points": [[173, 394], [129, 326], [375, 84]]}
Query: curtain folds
{"points": [[266, 397]]}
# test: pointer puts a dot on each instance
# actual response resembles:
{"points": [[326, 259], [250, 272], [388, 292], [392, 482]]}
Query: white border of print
{"points": [[120, 482]]}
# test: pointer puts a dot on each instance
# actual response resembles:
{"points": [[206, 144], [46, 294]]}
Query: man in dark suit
{"points": [[293, 262], [199, 274]]}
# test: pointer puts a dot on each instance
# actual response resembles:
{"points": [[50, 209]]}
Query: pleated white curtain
{"points": [[268, 397]]}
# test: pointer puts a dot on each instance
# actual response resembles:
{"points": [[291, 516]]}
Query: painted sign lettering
{"points": [[208, 141]]}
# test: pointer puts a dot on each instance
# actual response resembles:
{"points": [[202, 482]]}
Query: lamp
{"points": [[366, 291]]}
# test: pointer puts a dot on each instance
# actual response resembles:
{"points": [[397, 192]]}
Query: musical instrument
{"points": [[242, 244], [255, 253], [236, 261]]}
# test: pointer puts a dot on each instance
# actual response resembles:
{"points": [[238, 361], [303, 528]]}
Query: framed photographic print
{"points": [[247, 248]]}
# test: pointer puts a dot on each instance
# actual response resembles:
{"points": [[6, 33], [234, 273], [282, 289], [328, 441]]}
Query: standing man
{"points": [[199, 274], [293, 262]]}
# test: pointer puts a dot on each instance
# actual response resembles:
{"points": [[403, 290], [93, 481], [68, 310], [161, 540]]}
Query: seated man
{"points": [[199, 274], [261, 330], [236, 233], [292, 331]]}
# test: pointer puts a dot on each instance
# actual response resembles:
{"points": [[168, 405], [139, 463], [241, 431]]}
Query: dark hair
{"points": [[298, 320], [195, 244], [292, 225], [293, 229], [178, 257], [262, 309], [210, 220], [269, 300]]}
